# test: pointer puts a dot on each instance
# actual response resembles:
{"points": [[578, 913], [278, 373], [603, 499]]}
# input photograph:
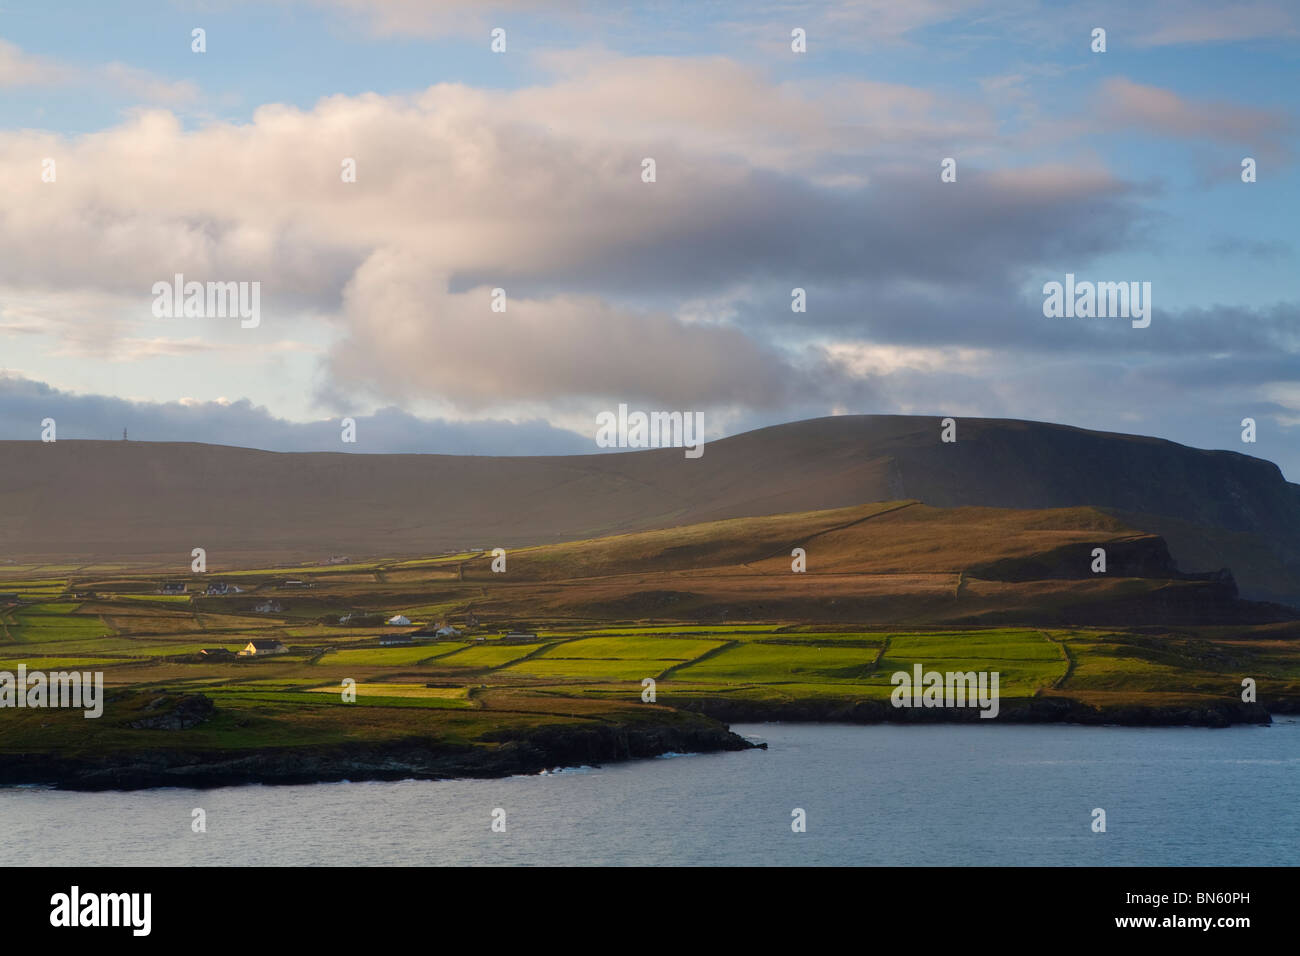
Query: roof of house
{"points": [[265, 645]]}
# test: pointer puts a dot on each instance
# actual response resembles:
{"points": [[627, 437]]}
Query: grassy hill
{"points": [[83, 501]]}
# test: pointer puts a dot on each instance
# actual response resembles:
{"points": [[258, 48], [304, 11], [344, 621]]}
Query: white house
{"points": [[263, 649], [400, 620], [446, 631]]}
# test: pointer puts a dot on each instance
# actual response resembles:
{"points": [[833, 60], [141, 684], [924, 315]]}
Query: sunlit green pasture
{"points": [[390, 656], [765, 663], [589, 669], [53, 622], [487, 655], [642, 647]]}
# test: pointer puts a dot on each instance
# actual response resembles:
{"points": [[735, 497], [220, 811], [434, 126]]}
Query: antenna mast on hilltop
{"points": [[123, 434]]}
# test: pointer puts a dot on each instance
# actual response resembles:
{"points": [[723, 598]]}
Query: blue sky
{"points": [[521, 170]]}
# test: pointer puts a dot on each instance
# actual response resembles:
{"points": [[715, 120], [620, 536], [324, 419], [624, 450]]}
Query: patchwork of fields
{"points": [[507, 672]]}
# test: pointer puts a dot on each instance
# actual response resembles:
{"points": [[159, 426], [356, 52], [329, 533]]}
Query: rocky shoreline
{"points": [[552, 747], [403, 759]]}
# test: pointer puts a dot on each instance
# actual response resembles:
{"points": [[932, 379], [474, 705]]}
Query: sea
{"points": [[819, 795]]}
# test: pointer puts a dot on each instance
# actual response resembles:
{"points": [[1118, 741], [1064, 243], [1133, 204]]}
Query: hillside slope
{"points": [[892, 563], [84, 500]]}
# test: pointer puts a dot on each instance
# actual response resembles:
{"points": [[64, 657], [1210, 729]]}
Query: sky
{"points": [[128, 157]]}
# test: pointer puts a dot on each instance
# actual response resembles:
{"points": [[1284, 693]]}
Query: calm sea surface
{"points": [[872, 795]]}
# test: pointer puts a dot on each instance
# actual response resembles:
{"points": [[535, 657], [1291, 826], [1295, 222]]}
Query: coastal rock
{"points": [[398, 759], [175, 712]]}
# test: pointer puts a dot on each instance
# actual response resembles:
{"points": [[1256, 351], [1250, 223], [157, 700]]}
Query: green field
{"points": [[389, 656], [729, 629], [38, 623], [772, 663], [56, 663], [370, 690], [639, 647], [751, 639], [589, 669], [487, 655]]}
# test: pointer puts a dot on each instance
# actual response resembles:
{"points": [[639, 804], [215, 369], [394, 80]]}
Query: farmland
{"points": [[636, 642]]}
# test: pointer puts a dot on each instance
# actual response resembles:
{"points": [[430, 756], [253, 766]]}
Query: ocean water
{"points": [[872, 795]]}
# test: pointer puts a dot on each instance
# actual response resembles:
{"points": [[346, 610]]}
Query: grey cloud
{"points": [[1006, 314], [25, 402], [410, 337], [905, 227]]}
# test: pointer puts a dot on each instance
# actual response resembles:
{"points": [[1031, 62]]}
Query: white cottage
{"points": [[263, 649]]}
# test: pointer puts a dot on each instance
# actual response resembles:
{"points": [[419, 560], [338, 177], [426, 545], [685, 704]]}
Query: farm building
{"points": [[263, 649], [521, 636], [446, 631], [268, 607], [400, 620], [174, 587], [218, 588], [390, 639], [215, 653]]}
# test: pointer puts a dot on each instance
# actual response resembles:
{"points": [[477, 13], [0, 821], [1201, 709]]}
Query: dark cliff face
{"points": [[1214, 508], [1206, 597], [1016, 464], [1144, 557]]}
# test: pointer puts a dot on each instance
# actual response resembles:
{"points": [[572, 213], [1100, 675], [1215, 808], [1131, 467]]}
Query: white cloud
{"points": [[18, 68], [23, 69], [456, 188]]}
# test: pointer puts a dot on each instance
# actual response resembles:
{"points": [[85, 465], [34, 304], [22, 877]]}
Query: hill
{"points": [[140, 501], [890, 564]]}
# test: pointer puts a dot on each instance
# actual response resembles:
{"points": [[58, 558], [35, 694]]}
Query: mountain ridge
{"points": [[101, 499]]}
